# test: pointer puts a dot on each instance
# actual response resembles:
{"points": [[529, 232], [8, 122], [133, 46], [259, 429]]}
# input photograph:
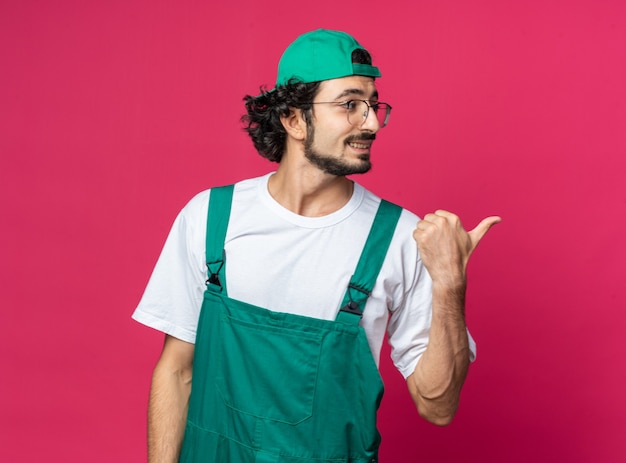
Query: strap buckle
{"points": [[353, 306], [213, 269]]}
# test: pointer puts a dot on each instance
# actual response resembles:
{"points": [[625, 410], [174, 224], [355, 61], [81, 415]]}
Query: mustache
{"points": [[361, 137]]}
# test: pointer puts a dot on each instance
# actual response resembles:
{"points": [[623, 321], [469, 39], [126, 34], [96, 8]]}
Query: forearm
{"points": [[436, 383], [167, 413], [445, 248]]}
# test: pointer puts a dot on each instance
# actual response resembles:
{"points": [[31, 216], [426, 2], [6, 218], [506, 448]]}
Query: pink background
{"points": [[113, 114]]}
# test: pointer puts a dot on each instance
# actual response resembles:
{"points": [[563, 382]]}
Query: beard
{"points": [[337, 166]]}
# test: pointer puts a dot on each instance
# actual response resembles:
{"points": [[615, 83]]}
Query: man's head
{"points": [[312, 59]]}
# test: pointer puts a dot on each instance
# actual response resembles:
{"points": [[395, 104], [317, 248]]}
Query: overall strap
{"points": [[370, 262], [220, 200]]}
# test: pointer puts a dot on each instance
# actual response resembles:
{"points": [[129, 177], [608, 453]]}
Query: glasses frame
{"points": [[346, 104]]}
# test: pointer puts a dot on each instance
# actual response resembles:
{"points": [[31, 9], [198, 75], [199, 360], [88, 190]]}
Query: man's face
{"points": [[333, 144]]}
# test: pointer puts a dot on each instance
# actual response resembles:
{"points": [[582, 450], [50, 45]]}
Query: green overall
{"points": [[272, 387]]}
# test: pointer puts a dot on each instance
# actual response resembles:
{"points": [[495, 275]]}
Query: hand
{"points": [[445, 246]]}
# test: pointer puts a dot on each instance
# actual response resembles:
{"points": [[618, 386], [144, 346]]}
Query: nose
{"points": [[371, 122]]}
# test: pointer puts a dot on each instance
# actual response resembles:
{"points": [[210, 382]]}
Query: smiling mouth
{"points": [[361, 142], [360, 145]]}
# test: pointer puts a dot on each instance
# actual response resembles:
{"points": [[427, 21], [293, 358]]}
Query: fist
{"points": [[445, 246]]}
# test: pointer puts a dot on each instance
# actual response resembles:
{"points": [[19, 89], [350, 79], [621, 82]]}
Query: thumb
{"points": [[482, 228]]}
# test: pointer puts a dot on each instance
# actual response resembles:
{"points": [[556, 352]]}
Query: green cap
{"points": [[322, 55]]}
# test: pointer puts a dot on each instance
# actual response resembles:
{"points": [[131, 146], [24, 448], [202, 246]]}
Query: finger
{"points": [[440, 216], [482, 228], [422, 224], [448, 217], [446, 214], [429, 218]]}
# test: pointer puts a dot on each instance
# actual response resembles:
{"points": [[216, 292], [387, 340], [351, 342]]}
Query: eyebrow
{"points": [[356, 91]]}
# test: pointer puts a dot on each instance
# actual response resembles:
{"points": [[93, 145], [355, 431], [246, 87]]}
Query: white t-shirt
{"points": [[289, 263]]}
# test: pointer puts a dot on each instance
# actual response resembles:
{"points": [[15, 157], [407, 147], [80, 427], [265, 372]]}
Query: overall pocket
{"points": [[268, 368]]}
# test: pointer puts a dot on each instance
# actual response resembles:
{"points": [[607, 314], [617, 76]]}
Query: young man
{"points": [[277, 293]]}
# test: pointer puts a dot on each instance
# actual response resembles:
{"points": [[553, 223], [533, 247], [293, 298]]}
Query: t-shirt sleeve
{"points": [[173, 297]]}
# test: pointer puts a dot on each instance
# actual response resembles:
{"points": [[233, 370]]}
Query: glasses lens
{"points": [[382, 113], [358, 109]]}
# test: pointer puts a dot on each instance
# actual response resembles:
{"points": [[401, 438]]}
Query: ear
{"points": [[294, 124]]}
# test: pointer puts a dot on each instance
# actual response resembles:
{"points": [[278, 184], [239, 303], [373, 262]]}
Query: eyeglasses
{"points": [[358, 110]]}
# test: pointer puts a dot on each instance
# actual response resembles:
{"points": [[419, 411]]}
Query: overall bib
{"points": [[273, 387]]}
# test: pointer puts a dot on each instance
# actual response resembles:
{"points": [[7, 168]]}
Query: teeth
{"points": [[359, 145]]}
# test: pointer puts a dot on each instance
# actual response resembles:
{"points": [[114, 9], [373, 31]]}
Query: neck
{"points": [[307, 191]]}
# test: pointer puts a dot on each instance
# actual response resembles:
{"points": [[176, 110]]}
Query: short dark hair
{"points": [[262, 120], [263, 112]]}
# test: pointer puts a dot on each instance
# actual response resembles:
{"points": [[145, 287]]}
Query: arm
{"points": [[445, 248], [169, 398]]}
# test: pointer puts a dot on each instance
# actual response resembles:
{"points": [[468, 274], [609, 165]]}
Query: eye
{"points": [[375, 107], [350, 105]]}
